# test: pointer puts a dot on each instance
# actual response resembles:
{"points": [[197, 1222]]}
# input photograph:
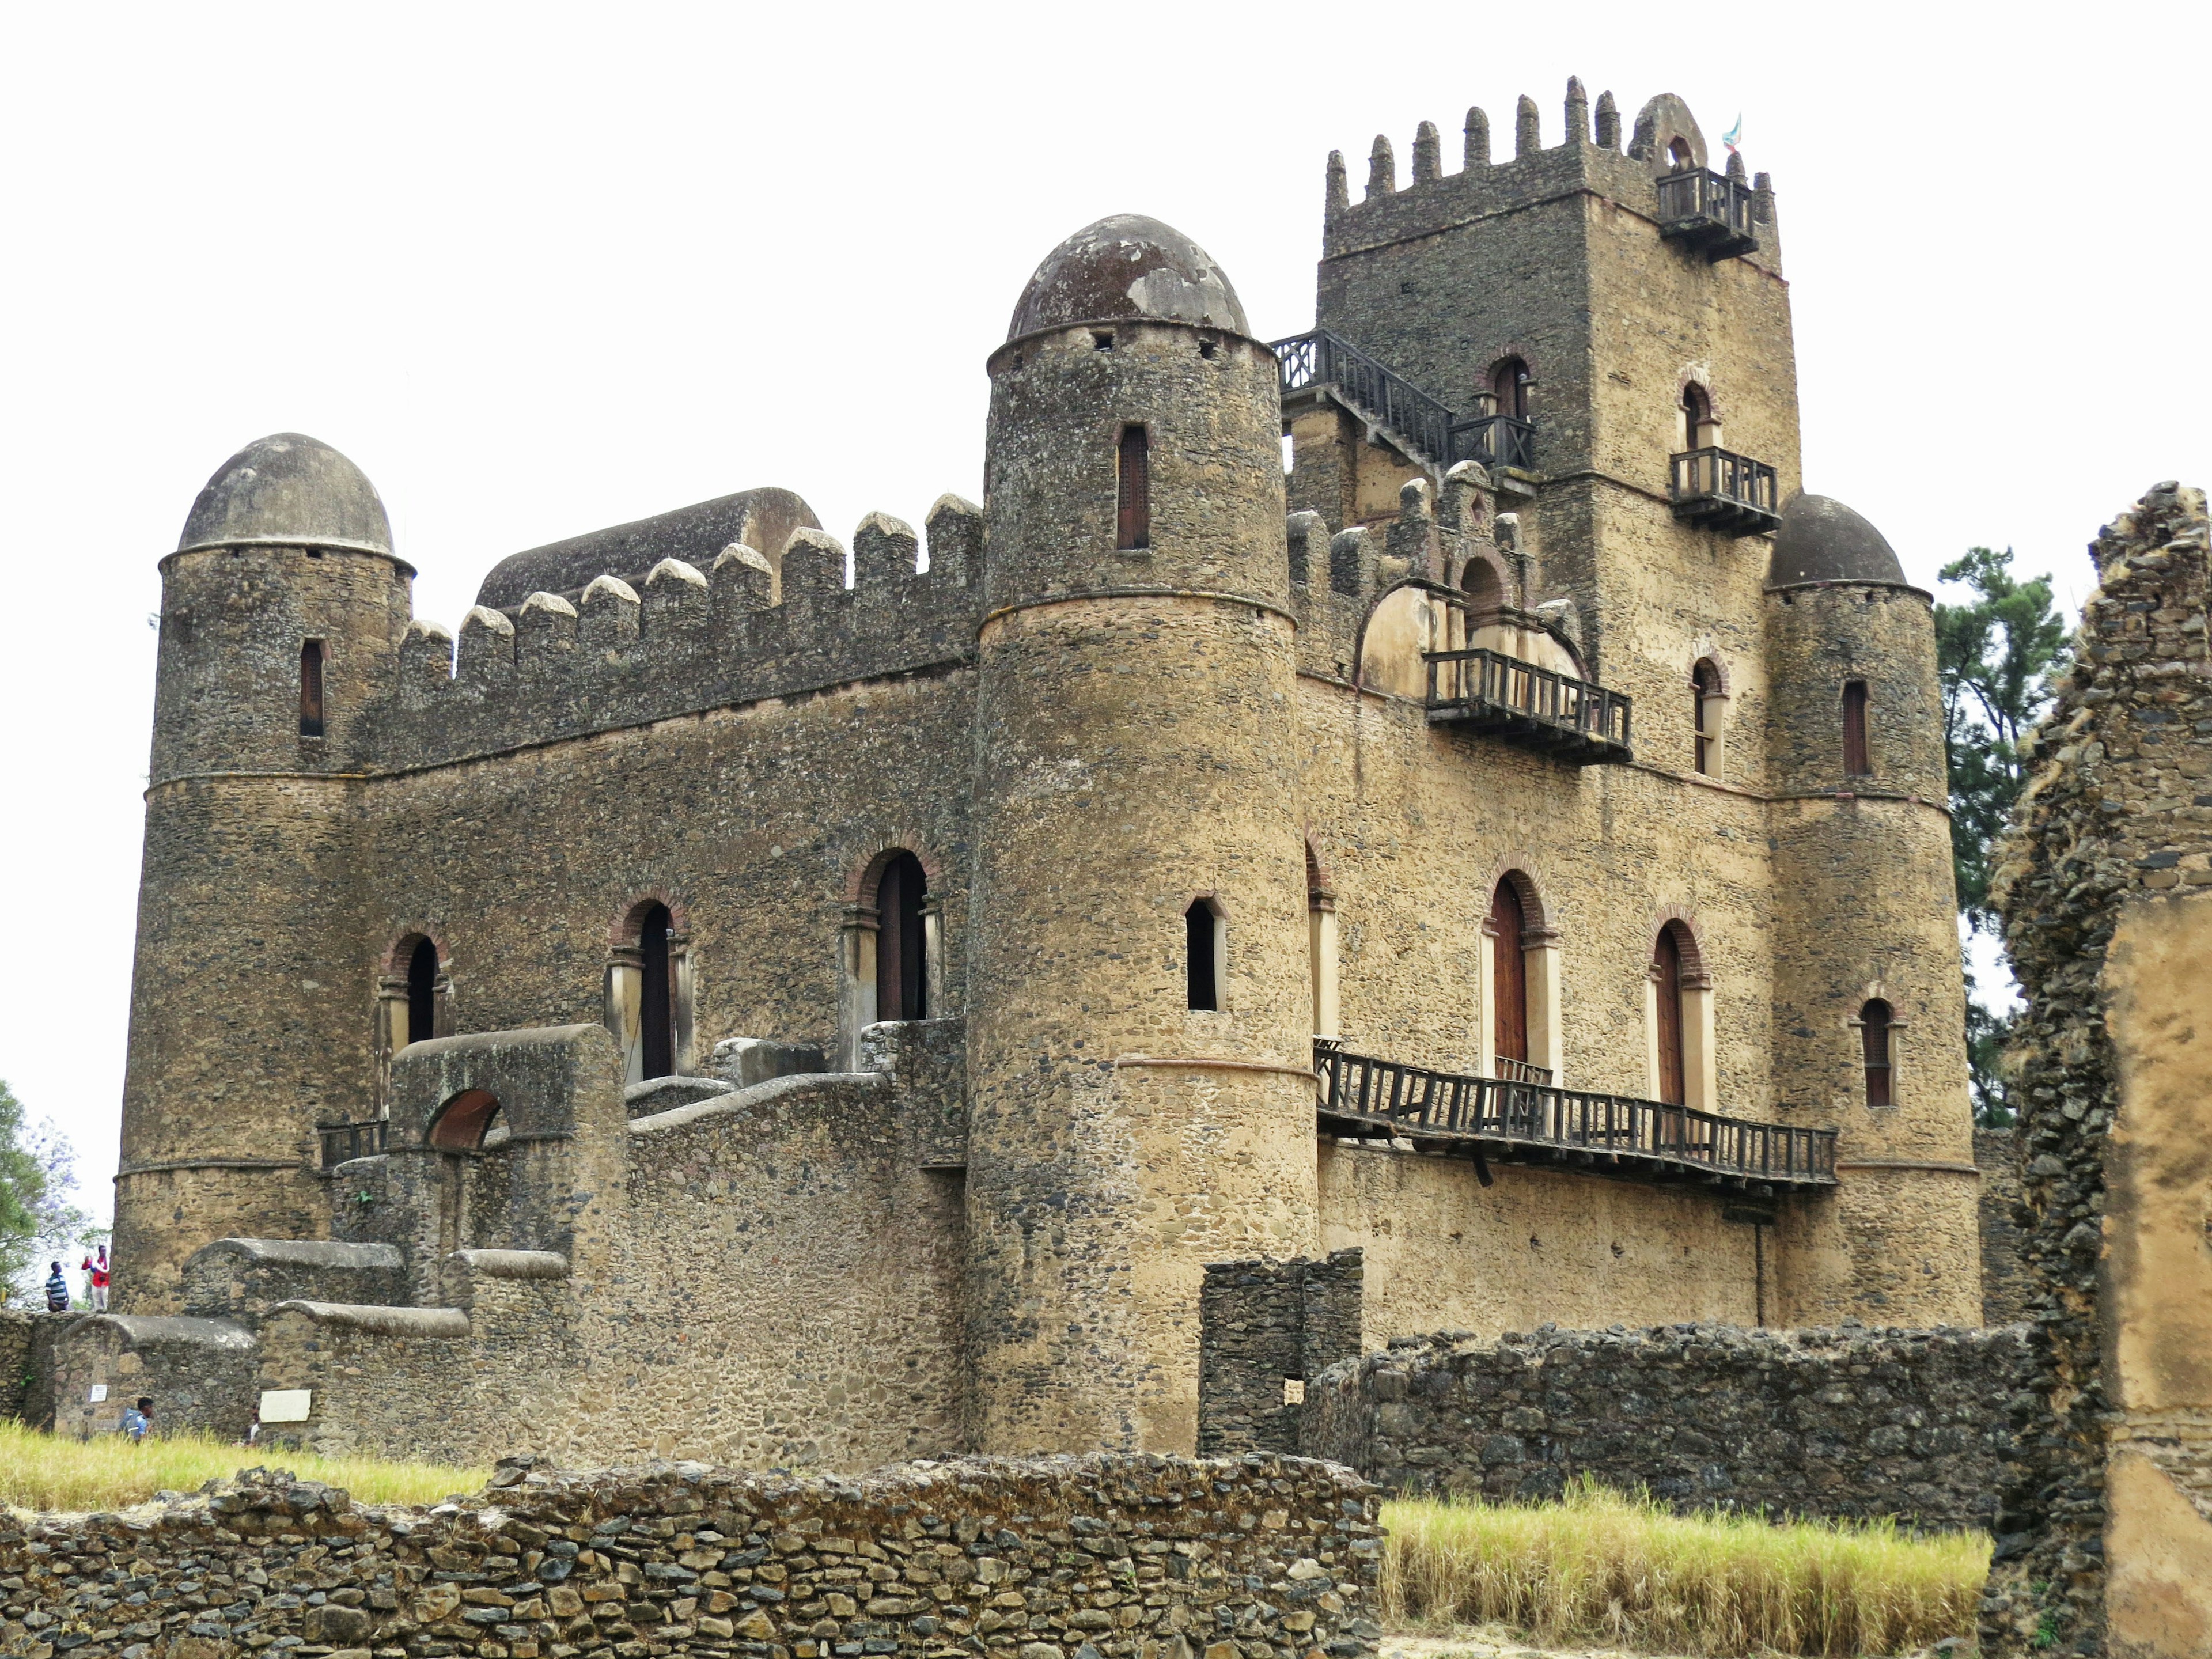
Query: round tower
{"points": [[282, 612], [1867, 1003], [1139, 1065]]}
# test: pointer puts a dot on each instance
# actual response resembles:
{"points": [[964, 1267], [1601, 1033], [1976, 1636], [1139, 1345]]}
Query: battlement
{"points": [[550, 668], [1665, 138]]}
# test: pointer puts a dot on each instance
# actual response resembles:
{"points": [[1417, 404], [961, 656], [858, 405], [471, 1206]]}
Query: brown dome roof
{"points": [[1821, 540], [1127, 265], [291, 489]]}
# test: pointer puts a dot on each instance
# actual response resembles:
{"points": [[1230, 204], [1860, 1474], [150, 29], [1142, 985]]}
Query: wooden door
{"points": [[1509, 978], [1667, 960]]}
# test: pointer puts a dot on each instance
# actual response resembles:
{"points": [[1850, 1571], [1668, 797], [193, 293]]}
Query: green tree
{"points": [[1995, 656], [36, 1217]]}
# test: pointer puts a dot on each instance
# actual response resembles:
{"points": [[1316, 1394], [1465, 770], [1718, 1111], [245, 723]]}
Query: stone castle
{"points": [[1434, 785]]}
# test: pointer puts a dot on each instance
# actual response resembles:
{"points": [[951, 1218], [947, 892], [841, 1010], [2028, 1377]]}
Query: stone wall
{"points": [[1263, 1325], [2105, 1532], [1067, 1558], [1854, 1422], [2007, 1296]]}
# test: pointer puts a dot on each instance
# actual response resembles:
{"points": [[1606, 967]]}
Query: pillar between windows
{"points": [[1321, 947], [392, 1024], [1546, 1029], [932, 957], [682, 980], [1700, 1057], [856, 975]]}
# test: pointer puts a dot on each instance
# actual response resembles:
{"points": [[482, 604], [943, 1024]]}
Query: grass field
{"points": [[42, 1472], [1602, 1569]]}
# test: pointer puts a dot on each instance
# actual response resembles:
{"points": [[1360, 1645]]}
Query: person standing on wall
{"points": [[95, 1278], [57, 1294]]}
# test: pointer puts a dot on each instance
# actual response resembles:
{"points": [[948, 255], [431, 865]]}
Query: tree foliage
{"points": [[37, 1170], [1995, 655]]}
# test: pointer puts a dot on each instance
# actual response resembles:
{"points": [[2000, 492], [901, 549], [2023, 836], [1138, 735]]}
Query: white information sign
{"points": [[98, 1393], [286, 1405], [1294, 1392]]}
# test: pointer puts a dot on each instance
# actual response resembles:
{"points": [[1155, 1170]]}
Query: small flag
{"points": [[1733, 134]]}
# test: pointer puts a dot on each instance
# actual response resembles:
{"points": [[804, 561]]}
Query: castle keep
{"points": [[1433, 785]]}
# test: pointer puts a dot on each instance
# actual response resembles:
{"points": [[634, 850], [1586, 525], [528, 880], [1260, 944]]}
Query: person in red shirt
{"points": [[96, 1271]]}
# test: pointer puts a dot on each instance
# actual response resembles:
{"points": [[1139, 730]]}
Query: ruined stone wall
{"points": [[1851, 1423], [2106, 1531], [1263, 1325], [1070, 1557], [2007, 1292]]}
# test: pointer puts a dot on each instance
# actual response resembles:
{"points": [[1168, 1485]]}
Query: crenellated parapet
{"points": [[1665, 140], [619, 656]]}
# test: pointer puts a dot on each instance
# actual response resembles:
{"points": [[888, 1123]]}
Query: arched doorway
{"points": [[1509, 982], [1666, 959], [902, 953]]}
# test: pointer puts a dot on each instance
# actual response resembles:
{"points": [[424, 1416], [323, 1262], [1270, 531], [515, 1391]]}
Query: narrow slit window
{"points": [[422, 992], [1132, 516], [1202, 956], [656, 1003], [1857, 762], [1875, 1023], [311, 688], [1705, 691]]}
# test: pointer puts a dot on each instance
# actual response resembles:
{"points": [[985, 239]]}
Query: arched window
{"points": [[656, 1003], [463, 1122], [421, 992], [1699, 429], [1133, 512], [311, 688], [1679, 153], [1509, 982], [902, 958], [1204, 942], [1857, 760], [1509, 385], [1875, 1024], [1705, 716], [1485, 594], [1666, 980]]}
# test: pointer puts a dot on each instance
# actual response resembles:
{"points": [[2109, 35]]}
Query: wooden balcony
{"points": [[1535, 707], [1725, 491], [344, 1142], [1511, 1121], [1708, 212], [1496, 442]]}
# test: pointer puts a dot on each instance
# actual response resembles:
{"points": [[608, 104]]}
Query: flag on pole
{"points": [[1733, 134]]}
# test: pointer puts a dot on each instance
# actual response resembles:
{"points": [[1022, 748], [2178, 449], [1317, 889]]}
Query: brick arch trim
{"points": [[403, 946], [1705, 651], [864, 874], [1528, 354], [1685, 924], [1536, 916], [1318, 879], [629, 921]]}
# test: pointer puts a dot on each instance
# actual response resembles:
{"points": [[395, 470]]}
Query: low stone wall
{"points": [[1263, 1325], [1854, 1422], [1100, 1557]]}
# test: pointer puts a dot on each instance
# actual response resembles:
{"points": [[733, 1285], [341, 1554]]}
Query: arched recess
{"points": [[1708, 717], [1881, 1029], [1522, 1038], [652, 989], [414, 1001], [1206, 955], [1321, 945], [464, 1123], [1678, 1008], [1698, 422], [890, 948]]}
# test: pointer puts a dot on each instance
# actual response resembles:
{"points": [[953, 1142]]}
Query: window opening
{"points": [[1678, 153], [1485, 594], [1875, 1023], [1202, 956], [655, 1003], [422, 992], [1705, 714], [463, 1122], [311, 688], [901, 970], [1699, 429], [1508, 975], [1103, 342], [1508, 384], [1857, 762], [1667, 965], [1206, 348], [1133, 518]]}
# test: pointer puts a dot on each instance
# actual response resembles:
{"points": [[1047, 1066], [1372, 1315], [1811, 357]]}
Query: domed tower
{"points": [[1141, 1100], [1866, 1004], [282, 611]]}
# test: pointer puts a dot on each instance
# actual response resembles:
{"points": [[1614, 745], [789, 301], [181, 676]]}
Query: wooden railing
{"points": [[1495, 440], [1492, 691], [1713, 213], [1322, 359], [1519, 1071], [345, 1142], [1361, 1094]]}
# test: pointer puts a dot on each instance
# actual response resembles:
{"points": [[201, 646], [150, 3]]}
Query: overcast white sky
{"points": [[539, 268]]}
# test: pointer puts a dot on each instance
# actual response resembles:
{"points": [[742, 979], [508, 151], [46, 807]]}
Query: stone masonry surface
{"points": [[1100, 1557], [1855, 1422]]}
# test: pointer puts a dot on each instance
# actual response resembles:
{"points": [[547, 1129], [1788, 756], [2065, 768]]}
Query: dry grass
{"points": [[1598, 1568], [43, 1471]]}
